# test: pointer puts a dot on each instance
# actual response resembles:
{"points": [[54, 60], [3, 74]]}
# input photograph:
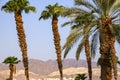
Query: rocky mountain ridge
{"points": [[41, 69], [46, 67]]}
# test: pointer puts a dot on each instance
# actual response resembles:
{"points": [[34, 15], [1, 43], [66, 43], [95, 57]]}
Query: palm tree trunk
{"points": [[22, 41], [108, 59], [11, 71], [105, 58], [114, 59], [104, 61], [57, 45], [88, 55]]}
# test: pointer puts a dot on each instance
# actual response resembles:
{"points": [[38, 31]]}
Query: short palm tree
{"points": [[80, 77], [54, 12], [11, 61], [105, 26], [17, 7]]}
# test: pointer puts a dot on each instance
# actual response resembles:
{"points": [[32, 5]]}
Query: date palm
{"points": [[17, 7], [11, 61], [80, 27], [54, 11], [105, 26]]}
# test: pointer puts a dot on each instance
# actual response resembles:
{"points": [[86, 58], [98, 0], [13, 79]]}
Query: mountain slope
{"points": [[46, 67], [41, 69]]}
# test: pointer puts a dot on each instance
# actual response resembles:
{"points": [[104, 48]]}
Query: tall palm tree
{"points": [[54, 11], [11, 61], [106, 27], [17, 6], [80, 24]]}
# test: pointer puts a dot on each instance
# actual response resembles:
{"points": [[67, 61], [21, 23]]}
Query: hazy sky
{"points": [[38, 33]]}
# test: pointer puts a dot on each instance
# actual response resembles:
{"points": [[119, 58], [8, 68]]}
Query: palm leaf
{"points": [[79, 49], [85, 3], [18, 6], [71, 39], [117, 32], [45, 15], [94, 44], [29, 8], [97, 5], [68, 23], [115, 5], [11, 59]]}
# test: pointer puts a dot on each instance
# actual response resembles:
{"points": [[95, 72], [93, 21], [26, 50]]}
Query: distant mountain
{"points": [[46, 67], [41, 69]]}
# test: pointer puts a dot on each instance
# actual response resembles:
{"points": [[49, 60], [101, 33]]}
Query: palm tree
{"points": [[54, 12], [11, 61], [17, 6], [80, 27], [105, 26]]}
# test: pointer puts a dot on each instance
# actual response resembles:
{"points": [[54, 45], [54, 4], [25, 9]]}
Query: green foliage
{"points": [[11, 60], [80, 77], [52, 10], [18, 6], [92, 15], [95, 15]]}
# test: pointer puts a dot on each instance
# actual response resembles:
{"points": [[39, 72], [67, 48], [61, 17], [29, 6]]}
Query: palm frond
{"points": [[45, 15], [94, 43], [72, 39], [103, 6], [66, 51], [74, 11], [86, 4], [116, 5], [79, 49], [11, 60], [55, 9], [116, 21], [98, 6], [9, 6], [115, 12], [30, 8], [111, 2], [18, 6], [117, 32], [68, 23]]}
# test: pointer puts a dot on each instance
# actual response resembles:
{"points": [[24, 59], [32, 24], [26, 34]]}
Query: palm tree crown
{"points": [[11, 60], [18, 6], [51, 11]]}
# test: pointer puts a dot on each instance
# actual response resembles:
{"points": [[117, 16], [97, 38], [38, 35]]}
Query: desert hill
{"points": [[72, 72], [41, 69], [46, 67]]}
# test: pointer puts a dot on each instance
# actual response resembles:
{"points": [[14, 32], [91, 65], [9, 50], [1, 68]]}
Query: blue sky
{"points": [[38, 33]]}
